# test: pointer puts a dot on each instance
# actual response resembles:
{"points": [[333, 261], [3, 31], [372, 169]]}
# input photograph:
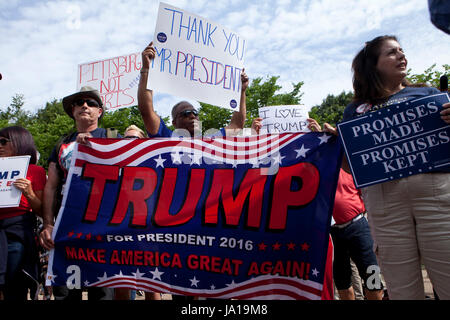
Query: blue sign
{"points": [[239, 217], [397, 141]]}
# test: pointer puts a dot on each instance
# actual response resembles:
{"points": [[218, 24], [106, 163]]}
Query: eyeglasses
{"points": [[90, 102], [3, 141], [187, 113], [132, 137]]}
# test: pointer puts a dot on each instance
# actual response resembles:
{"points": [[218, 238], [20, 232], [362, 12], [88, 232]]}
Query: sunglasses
{"points": [[3, 141], [90, 102], [132, 137], [187, 113]]}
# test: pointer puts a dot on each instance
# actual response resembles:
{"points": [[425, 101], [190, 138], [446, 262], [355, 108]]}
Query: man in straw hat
{"points": [[86, 108]]}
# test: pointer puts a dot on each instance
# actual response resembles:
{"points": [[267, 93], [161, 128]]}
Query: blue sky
{"points": [[42, 42]]}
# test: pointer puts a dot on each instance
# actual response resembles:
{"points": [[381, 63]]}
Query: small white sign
{"points": [[115, 78], [279, 119], [196, 58], [11, 168]]}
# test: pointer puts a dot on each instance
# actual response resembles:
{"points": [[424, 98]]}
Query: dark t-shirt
{"points": [[63, 156]]}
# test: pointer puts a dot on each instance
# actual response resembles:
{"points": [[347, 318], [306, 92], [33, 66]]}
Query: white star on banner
{"points": [[119, 275], [176, 157], [324, 138], [194, 282], [138, 274], [159, 162], [277, 158], [156, 274], [196, 158], [315, 272], [86, 283], [301, 152], [105, 277], [232, 284], [213, 287]]}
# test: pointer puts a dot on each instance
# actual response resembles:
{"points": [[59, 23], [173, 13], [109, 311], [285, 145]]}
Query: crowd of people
{"points": [[396, 226]]}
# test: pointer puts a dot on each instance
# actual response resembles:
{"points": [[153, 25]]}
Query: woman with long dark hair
{"points": [[17, 246], [409, 217]]}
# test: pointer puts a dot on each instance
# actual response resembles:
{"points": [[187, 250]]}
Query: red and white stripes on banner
{"points": [[234, 150], [262, 287]]}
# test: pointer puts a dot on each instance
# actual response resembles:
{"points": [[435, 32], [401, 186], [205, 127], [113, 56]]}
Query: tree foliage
{"points": [[430, 76], [331, 109], [50, 123], [259, 94]]}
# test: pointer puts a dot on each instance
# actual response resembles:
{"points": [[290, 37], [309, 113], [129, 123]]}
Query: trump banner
{"points": [[397, 141], [239, 217], [196, 58]]}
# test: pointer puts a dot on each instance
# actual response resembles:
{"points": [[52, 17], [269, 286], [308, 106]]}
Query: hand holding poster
{"points": [[11, 168], [115, 78], [196, 58], [397, 141], [280, 119], [149, 214]]}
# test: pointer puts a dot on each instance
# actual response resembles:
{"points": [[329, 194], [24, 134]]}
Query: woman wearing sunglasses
{"points": [[18, 254]]}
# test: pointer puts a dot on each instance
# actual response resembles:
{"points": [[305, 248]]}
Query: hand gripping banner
{"points": [[241, 217]]}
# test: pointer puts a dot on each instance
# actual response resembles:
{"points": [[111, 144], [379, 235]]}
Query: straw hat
{"points": [[84, 91]]}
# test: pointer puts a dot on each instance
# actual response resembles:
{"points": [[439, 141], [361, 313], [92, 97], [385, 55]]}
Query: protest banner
{"points": [[397, 141], [196, 58], [115, 78], [199, 216], [11, 168], [279, 119]]}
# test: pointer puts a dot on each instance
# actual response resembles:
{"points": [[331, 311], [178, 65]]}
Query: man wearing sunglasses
{"points": [[184, 115], [86, 108]]}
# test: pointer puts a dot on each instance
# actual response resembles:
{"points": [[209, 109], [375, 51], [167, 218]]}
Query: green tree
{"points": [[259, 94], [262, 94], [122, 118], [331, 109], [47, 126], [430, 76], [15, 114]]}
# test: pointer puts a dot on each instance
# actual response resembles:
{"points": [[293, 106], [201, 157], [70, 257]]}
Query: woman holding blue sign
{"points": [[18, 252], [409, 217]]}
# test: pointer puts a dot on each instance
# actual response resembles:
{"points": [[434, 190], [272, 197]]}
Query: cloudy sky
{"points": [[42, 42]]}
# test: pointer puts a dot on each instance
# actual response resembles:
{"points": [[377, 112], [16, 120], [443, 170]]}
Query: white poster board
{"points": [[288, 118], [196, 58], [11, 168], [115, 78]]}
